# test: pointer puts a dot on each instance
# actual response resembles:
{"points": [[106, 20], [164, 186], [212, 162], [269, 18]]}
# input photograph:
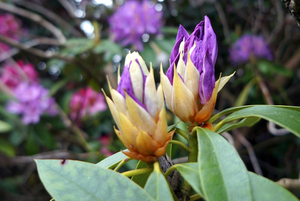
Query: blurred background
{"points": [[55, 57]]}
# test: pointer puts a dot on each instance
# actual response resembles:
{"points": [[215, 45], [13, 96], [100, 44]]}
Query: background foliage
{"points": [[71, 47]]}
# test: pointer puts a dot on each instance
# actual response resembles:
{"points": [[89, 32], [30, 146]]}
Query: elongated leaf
{"points": [[234, 109], [112, 161], [264, 190], [4, 127], [189, 171], [75, 180], [142, 178], [250, 121], [242, 98], [282, 116], [157, 186], [223, 175]]}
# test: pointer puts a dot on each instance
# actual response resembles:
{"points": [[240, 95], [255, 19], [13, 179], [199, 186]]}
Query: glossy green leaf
{"points": [[44, 135], [287, 118], [113, 160], [4, 127], [234, 109], [157, 185], [223, 175], [250, 121], [75, 180], [142, 178], [264, 190], [189, 171]]}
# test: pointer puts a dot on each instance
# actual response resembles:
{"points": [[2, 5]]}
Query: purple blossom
{"points": [[32, 101], [132, 20], [247, 46], [203, 49]]}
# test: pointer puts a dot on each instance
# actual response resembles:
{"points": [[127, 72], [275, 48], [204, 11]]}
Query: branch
{"points": [[250, 150], [50, 15], [223, 20], [35, 17], [49, 55], [289, 183]]}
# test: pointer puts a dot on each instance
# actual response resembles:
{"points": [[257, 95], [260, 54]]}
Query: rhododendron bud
{"points": [[139, 111], [189, 85]]}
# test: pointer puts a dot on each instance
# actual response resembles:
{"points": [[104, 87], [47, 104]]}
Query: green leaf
{"points": [[157, 185], [44, 135], [189, 171], [165, 45], [250, 121], [32, 146], [77, 46], [170, 30], [234, 109], [7, 148], [75, 180], [286, 117], [142, 178], [113, 160], [149, 55], [57, 86], [242, 98], [223, 175], [4, 127], [270, 68], [264, 189]]}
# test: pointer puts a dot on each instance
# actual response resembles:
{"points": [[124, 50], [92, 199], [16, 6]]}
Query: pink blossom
{"points": [[86, 102], [9, 27], [12, 77]]}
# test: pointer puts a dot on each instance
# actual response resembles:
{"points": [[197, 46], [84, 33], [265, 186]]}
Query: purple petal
{"points": [[125, 84], [210, 39], [207, 79], [181, 34]]}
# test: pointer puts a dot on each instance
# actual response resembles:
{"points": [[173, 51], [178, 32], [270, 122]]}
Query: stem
{"points": [[137, 172], [170, 170], [121, 163], [180, 144], [219, 125], [193, 155], [182, 133], [195, 197]]}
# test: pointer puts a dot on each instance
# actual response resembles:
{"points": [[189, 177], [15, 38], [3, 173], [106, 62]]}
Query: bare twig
{"points": [[35, 17], [289, 183], [223, 20], [271, 126], [250, 150], [257, 23], [280, 21], [229, 138], [50, 15]]}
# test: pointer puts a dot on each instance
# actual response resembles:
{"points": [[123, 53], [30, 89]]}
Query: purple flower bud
{"points": [[133, 79], [207, 79], [203, 49]]}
